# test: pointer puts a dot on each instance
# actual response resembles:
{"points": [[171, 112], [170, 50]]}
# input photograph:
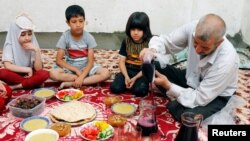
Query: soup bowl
{"points": [[35, 122], [47, 93], [42, 135]]}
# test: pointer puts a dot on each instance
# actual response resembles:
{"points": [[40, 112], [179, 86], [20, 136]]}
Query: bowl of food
{"points": [[123, 108], [63, 129], [35, 122], [116, 120], [96, 131], [42, 135], [44, 92], [110, 100], [26, 106], [69, 94]]}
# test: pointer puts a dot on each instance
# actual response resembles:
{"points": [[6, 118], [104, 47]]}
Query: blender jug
{"points": [[189, 128]]}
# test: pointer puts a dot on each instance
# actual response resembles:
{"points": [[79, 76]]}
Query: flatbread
{"points": [[80, 122], [73, 111]]}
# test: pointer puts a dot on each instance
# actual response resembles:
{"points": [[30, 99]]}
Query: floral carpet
{"points": [[168, 127]]}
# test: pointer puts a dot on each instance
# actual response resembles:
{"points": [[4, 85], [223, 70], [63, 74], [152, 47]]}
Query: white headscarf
{"points": [[19, 56]]}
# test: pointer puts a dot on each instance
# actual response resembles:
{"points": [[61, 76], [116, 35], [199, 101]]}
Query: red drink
{"points": [[187, 134], [148, 71], [148, 125]]}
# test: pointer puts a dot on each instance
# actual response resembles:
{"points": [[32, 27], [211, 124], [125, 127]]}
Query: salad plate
{"points": [[96, 131], [69, 94]]}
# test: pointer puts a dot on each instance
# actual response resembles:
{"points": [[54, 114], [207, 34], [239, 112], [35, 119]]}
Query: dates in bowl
{"points": [[26, 106]]}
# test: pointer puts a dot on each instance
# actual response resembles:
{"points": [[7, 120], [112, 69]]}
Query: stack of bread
{"points": [[73, 113]]}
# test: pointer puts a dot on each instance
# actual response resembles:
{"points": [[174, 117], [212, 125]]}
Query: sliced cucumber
{"points": [[67, 98]]}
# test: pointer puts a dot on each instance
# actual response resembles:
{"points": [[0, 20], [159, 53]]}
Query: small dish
{"points": [[116, 120], [63, 129], [33, 123], [42, 135], [44, 92], [110, 100], [69, 94], [123, 108], [96, 131]]}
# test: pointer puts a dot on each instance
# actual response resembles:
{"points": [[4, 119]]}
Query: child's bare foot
{"points": [[2, 82], [42, 85], [18, 86], [65, 85]]}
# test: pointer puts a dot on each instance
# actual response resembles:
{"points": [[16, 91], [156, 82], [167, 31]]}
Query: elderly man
{"points": [[210, 78]]}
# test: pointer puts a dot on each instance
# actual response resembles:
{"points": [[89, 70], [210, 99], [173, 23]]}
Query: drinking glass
{"points": [[154, 137], [129, 133], [147, 104], [147, 119]]}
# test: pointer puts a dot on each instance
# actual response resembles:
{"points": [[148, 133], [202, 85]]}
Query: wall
{"points": [[110, 16], [245, 27]]}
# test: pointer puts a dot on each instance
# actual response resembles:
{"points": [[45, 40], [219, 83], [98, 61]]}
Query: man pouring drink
{"points": [[210, 78]]}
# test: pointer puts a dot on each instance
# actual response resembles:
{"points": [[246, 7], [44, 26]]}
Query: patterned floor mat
{"points": [[109, 59]]}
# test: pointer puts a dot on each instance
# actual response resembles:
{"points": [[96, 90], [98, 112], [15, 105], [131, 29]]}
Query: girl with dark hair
{"points": [[138, 36]]}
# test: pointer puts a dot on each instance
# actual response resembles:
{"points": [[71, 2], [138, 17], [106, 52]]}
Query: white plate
{"points": [[92, 124], [69, 92]]}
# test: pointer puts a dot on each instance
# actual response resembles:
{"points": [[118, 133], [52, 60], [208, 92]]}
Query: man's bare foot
{"points": [[65, 85]]}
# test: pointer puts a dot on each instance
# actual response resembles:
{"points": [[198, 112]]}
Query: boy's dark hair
{"points": [[139, 20], [74, 11]]}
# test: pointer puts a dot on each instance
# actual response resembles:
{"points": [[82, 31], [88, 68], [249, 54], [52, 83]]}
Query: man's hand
{"points": [[147, 53], [162, 81]]}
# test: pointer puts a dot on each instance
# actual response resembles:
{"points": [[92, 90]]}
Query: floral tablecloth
{"points": [[168, 127]]}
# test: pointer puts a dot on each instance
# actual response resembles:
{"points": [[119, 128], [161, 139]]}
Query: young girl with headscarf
{"points": [[23, 67]]}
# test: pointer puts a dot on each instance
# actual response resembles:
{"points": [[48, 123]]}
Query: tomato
{"points": [[90, 133], [61, 95], [92, 137]]}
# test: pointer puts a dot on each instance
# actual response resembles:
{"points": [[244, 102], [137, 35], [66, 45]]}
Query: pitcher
{"points": [[189, 128], [147, 120], [148, 70]]}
